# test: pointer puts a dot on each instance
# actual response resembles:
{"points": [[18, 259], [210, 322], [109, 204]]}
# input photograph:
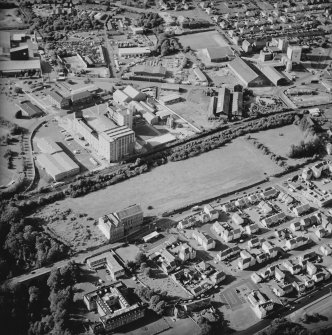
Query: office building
{"points": [[294, 53]]}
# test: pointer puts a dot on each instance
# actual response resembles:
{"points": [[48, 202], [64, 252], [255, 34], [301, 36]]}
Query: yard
{"points": [[203, 40], [10, 18], [279, 141], [180, 183], [128, 253]]}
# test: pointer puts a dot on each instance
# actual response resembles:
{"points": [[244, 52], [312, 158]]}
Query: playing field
{"points": [[180, 183], [203, 40]]}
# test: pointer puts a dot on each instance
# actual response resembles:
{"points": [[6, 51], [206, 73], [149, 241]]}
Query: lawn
{"points": [[10, 18], [176, 184], [203, 40], [279, 140]]}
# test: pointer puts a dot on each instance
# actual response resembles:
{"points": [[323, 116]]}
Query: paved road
{"points": [[258, 327]]}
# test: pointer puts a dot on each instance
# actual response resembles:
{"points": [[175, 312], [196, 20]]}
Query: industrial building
{"points": [[237, 104], [294, 53], [103, 135], [273, 75], [171, 99], [134, 52], [122, 116], [149, 71], [29, 110], [128, 94], [218, 54], [19, 56], [54, 160], [224, 97], [59, 99], [212, 108], [113, 307], [245, 73], [119, 224]]}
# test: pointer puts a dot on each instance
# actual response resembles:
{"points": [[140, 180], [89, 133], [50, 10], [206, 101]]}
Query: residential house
{"points": [[254, 243], [217, 277], [274, 220], [186, 252], [321, 232], [279, 274], [295, 226], [228, 253], [252, 228], [269, 249], [311, 268], [237, 219], [326, 250], [213, 213], [269, 193], [256, 278], [281, 290], [246, 260], [260, 304], [301, 210], [297, 242], [307, 173], [310, 256], [204, 240], [293, 268]]}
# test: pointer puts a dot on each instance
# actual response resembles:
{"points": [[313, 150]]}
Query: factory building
{"points": [[54, 160], [245, 73], [103, 135], [218, 54], [134, 52], [224, 97], [273, 75], [117, 225]]}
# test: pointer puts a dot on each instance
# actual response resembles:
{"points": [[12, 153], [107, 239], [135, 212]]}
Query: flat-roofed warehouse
{"points": [[218, 54], [273, 75], [134, 52], [149, 71], [54, 160], [245, 73], [19, 66]]}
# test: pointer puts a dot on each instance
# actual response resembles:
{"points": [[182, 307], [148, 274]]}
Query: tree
{"points": [[140, 258], [155, 299], [143, 266]]}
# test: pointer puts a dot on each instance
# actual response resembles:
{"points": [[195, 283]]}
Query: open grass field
{"points": [[203, 40], [180, 183], [10, 18], [279, 140], [76, 229]]}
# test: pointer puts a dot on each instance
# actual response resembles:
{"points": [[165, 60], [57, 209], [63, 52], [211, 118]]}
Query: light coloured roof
{"points": [[57, 164], [100, 123], [30, 108], [272, 74], [131, 92], [121, 96], [219, 52], [131, 51], [47, 145], [17, 65], [117, 132], [154, 141], [129, 211], [243, 70]]}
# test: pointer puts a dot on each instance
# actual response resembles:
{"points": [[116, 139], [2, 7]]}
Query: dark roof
{"points": [[243, 70], [31, 109], [129, 211], [57, 96], [80, 95]]}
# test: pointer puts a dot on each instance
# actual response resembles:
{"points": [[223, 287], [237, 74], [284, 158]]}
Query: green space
{"points": [[279, 141], [180, 183], [129, 253]]}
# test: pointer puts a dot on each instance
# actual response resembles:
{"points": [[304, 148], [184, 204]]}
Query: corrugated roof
{"points": [[121, 96], [101, 123], [57, 164], [80, 95], [219, 52], [243, 70], [30, 109], [272, 74], [131, 92], [129, 211]]}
